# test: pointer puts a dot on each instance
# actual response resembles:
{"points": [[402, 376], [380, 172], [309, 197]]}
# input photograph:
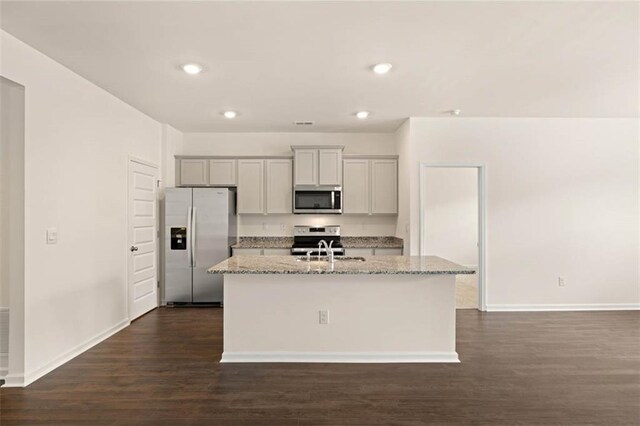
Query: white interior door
{"points": [[143, 247]]}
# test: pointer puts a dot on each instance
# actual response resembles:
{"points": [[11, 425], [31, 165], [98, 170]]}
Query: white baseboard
{"points": [[340, 357], [37, 373], [565, 307], [13, 382]]}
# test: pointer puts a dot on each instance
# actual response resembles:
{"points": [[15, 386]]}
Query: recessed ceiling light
{"points": [[454, 112], [362, 114], [230, 114], [192, 69], [382, 68]]}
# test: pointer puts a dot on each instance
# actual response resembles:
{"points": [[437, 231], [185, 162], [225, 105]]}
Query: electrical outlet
{"points": [[283, 227], [324, 317], [264, 226], [561, 282]]}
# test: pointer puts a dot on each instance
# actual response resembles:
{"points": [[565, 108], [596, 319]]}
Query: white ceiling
{"points": [[279, 62]]}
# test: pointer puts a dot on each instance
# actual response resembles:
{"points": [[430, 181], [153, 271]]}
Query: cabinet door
{"points": [[355, 188], [251, 186], [330, 167], [388, 252], [193, 172], [279, 186], [306, 167], [222, 172], [358, 252], [384, 186]]}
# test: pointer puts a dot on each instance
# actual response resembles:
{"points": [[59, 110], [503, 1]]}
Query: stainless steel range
{"points": [[308, 239]]}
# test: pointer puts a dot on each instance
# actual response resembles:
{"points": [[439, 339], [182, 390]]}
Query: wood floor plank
{"points": [[517, 368]]}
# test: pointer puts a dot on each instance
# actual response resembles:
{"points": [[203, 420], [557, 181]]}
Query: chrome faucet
{"points": [[328, 249]]}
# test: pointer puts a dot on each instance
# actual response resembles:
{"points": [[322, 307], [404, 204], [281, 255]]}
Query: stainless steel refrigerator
{"points": [[200, 226]]}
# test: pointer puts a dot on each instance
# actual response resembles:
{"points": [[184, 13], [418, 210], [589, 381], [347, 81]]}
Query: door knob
{"points": [[133, 248]]}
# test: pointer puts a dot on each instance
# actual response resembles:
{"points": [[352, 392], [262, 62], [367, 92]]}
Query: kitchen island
{"points": [[371, 309]]}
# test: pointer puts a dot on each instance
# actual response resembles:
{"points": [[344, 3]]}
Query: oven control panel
{"points": [[316, 231]]}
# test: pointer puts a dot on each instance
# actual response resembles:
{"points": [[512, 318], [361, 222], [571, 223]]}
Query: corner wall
{"points": [[77, 144], [562, 201]]}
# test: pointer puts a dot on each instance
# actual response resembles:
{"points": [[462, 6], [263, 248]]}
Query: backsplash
{"points": [[282, 225]]}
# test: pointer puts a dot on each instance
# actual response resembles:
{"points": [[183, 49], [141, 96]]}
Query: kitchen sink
{"points": [[336, 258]]}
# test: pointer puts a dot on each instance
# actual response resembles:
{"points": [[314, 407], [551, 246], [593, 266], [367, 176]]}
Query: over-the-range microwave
{"points": [[317, 199]]}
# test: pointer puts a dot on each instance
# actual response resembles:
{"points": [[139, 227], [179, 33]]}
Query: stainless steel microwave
{"points": [[317, 199]]}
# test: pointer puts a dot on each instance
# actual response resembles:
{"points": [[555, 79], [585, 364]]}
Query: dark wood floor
{"points": [[517, 368]]}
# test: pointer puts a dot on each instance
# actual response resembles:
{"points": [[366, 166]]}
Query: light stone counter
{"points": [[385, 265]]}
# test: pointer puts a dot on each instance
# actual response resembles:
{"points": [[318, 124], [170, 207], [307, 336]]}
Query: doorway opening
{"points": [[452, 224]]}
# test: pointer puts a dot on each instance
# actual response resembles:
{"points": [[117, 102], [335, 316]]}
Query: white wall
{"points": [[405, 183], [172, 144], [78, 139], [451, 214], [562, 200], [280, 144]]}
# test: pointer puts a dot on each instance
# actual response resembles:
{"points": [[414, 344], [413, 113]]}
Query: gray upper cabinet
{"points": [[222, 172], [278, 186], [306, 167], [317, 165], [384, 186], [251, 186], [193, 172], [330, 167], [356, 194], [370, 185]]}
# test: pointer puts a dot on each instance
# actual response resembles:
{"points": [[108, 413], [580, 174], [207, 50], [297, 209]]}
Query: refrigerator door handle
{"points": [[189, 236], [193, 237]]}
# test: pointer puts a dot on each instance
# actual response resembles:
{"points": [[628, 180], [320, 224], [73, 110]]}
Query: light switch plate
{"points": [[52, 235]]}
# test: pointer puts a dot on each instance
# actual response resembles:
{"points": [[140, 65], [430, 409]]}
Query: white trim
{"points": [[37, 373], [144, 162], [340, 357], [13, 382], [565, 307], [482, 222]]}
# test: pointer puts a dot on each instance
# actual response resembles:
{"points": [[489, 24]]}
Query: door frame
{"points": [[482, 221], [133, 159]]}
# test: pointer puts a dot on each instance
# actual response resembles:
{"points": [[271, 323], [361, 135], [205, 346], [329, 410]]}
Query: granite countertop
{"points": [[264, 242], [371, 242], [347, 242], [421, 265]]}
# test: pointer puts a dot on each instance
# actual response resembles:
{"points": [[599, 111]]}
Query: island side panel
{"points": [[372, 318]]}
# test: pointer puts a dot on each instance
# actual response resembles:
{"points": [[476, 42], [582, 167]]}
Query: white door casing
{"points": [[142, 249]]}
